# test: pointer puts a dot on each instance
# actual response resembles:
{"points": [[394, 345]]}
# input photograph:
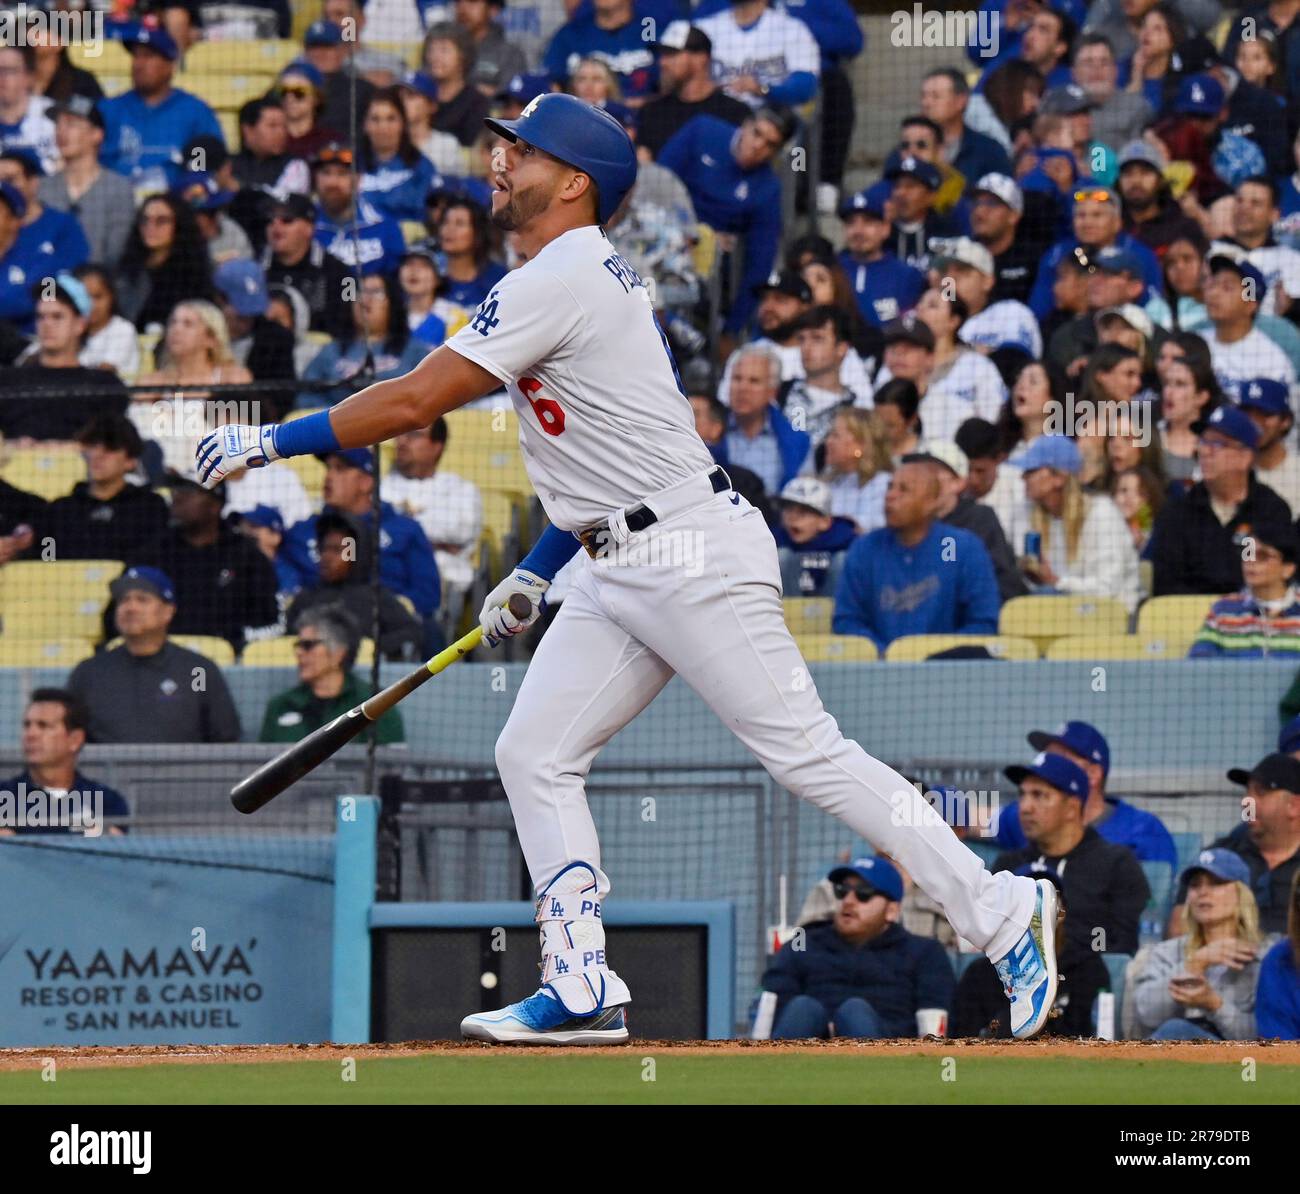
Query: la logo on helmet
{"points": [[532, 107]]}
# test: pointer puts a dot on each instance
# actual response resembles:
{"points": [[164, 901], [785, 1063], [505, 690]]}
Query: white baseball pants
{"points": [[716, 619]]}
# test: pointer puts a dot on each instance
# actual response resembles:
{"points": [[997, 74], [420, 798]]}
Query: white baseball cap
{"points": [[1131, 314], [963, 251], [810, 492], [1003, 187], [945, 452]]}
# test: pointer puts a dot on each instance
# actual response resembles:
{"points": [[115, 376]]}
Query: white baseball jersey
{"points": [[1004, 324], [770, 50], [603, 422], [1254, 355], [1281, 269]]}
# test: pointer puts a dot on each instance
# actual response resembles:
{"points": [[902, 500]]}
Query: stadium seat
{"points": [[500, 527], [987, 850], [103, 57], [47, 472], [705, 254], [1044, 619], [912, 648], [1188, 845], [1156, 913], [1174, 617], [229, 92], [483, 447], [229, 122], [414, 231], [1106, 647], [1117, 966], [216, 649], [218, 57], [56, 600], [311, 472], [837, 648], [279, 652], [808, 615], [148, 345], [54, 652]]}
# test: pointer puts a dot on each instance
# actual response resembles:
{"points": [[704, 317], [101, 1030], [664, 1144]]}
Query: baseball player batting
{"points": [[609, 442]]}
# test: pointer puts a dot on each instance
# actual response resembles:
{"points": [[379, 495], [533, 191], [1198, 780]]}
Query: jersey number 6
{"points": [[550, 414]]}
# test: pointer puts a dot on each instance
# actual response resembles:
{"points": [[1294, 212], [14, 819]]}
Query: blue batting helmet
{"points": [[586, 138]]}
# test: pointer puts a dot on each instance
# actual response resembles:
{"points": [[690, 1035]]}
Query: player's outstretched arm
{"points": [[441, 382]]}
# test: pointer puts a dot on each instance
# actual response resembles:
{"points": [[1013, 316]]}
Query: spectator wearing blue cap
{"points": [[1196, 546], [1239, 348], [204, 195], [688, 89], [262, 346], [1263, 620], [50, 395], [861, 974], [348, 225], [145, 690], [264, 525], [1267, 839], [418, 94], [915, 184], [884, 287], [1189, 131], [1200, 986], [324, 49], [25, 119], [1277, 997], [916, 575], [1114, 279], [1103, 889], [147, 127], [396, 175], [1268, 404], [1115, 819], [518, 92], [735, 191], [1085, 545], [103, 199], [406, 562]]}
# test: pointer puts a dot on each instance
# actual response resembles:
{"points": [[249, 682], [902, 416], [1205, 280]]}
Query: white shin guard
{"points": [[574, 968]]}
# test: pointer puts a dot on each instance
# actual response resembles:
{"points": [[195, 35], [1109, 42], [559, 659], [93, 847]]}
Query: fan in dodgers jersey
{"points": [[609, 442]]}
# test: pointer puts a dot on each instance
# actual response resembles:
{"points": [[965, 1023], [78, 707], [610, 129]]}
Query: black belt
{"points": [[638, 518]]}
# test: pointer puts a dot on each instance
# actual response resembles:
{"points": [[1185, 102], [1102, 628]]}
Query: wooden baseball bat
{"points": [[287, 768]]}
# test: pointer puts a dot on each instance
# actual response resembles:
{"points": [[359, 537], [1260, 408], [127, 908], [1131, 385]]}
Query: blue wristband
{"points": [[308, 436], [550, 553]]}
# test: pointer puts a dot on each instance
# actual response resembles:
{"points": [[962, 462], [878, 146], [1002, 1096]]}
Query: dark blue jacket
{"points": [[1041, 302], [406, 563], [114, 805], [897, 973], [380, 244], [813, 569], [979, 155], [833, 24], [398, 189], [1127, 825], [729, 199], [943, 585]]}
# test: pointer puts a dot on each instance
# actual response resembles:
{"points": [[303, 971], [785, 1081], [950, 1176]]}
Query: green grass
{"points": [[533, 1077]]}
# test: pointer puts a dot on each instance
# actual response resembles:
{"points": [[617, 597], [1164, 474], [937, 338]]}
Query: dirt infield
{"points": [[1208, 1052]]}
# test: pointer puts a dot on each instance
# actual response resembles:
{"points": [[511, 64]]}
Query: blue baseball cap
{"points": [[910, 167], [243, 284], [323, 33], [864, 203], [73, 289], [1199, 95], [1079, 737], [362, 458], [1288, 741], [11, 195], [148, 38], [1051, 451], [523, 89], [420, 83], [1055, 770], [146, 580], [877, 873], [1229, 421], [1265, 395], [199, 191], [306, 70], [1239, 266], [1220, 862], [264, 516], [30, 159], [1116, 260]]}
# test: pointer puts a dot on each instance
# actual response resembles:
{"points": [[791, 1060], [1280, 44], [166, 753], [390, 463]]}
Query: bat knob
{"points": [[520, 606]]}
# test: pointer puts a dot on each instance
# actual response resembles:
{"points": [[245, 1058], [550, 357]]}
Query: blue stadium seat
{"points": [[1116, 967], [987, 851], [1188, 846], [1156, 914]]}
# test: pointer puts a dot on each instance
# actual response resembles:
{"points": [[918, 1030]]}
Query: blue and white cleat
{"points": [[541, 1020], [1028, 972]]}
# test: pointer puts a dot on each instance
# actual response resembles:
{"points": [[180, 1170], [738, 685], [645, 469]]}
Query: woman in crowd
{"points": [[1112, 379], [1151, 70], [381, 332], [464, 235], [53, 74], [1201, 986], [165, 262], [593, 81], [1183, 267], [301, 88], [963, 382], [1005, 109], [831, 287], [447, 58], [1086, 547], [1139, 496], [1256, 61], [1190, 392], [396, 176], [111, 341], [419, 96], [1132, 441], [857, 467], [1021, 419], [432, 318], [897, 421], [1277, 997]]}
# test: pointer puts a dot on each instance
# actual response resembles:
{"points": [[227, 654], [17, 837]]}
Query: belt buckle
{"points": [[591, 539]]}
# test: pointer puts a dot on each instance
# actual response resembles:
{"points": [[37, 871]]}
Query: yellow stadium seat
{"points": [[47, 472], [837, 648], [1110, 647], [279, 652], [228, 92], [912, 648], [311, 472], [105, 56], [1043, 619], [414, 231], [148, 345], [216, 649], [268, 56], [808, 615], [59, 599], [55, 652], [499, 520], [1180, 616], [705, 254], [229, 122], [483, 447]]}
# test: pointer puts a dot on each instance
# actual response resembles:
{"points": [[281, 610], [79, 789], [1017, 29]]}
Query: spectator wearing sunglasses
{"points": [[301, 91], [859, 974], [325, 650], [1267, 840], [348, 226]]}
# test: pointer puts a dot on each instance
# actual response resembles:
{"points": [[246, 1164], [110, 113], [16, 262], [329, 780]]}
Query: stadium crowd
{"points": [[1052, 351]]}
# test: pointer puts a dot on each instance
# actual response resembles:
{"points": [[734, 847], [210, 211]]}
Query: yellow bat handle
{"points": [[458, 650]]}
